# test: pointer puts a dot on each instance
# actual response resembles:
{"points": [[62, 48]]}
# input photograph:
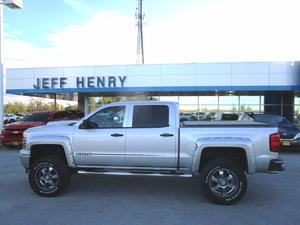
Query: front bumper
{"points": [[11, 138], [24, 157], [276, 165]]}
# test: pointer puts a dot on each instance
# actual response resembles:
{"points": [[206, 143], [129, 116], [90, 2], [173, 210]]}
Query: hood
{"points": [[62, 123], [23, 125], [56, 129]]}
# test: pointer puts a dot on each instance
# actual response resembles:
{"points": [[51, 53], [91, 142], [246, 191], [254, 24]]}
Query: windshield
{"points": [[37, 117]]}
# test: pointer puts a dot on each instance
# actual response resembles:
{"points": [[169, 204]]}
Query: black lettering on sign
{"points": [[54, 82], [90, 82], [111, 81], [100, 82], [122, 80], [62, 82], [45, 83], [38, 84], [80, 82]]}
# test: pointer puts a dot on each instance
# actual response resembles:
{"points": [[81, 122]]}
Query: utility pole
{"points": [[140, 43]]}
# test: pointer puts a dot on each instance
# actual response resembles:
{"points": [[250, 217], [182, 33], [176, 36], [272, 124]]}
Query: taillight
{"points": [[274, 142]]}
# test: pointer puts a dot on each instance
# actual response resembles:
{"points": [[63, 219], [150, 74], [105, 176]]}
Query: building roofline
{"points": [[151, 64]]}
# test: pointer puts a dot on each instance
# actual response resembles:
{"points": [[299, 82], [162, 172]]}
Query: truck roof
{"points": [[142, 102]]}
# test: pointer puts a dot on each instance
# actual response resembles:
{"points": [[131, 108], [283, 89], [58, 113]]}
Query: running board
{"points": [[135, 173]]}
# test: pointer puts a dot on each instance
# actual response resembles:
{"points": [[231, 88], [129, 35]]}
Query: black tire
{"points": [[49, 176], [223, 181]]}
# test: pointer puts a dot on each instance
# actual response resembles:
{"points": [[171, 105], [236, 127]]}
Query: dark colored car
{"points": [[229, 116], [75, 113], [289, 134], [12, 134]]}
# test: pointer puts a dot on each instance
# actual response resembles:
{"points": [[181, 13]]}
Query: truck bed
{"points": [[223, 124]]}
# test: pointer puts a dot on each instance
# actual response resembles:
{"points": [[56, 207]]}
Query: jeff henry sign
{"points": [[81, 82]]}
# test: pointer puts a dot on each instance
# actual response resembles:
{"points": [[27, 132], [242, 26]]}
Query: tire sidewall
{"points": [[239, 174], [63, 176]]}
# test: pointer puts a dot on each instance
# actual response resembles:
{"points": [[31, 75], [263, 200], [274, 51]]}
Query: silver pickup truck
{"points": [[148, 138]]}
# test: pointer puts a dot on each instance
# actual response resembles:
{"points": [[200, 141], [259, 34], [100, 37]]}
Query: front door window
{"points": [[110, 117]]}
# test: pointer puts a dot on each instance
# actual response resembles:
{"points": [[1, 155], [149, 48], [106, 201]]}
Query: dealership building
{"points": [[261, 87]]}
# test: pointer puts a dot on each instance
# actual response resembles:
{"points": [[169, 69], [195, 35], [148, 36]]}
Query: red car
{"points": [[12, 134]]}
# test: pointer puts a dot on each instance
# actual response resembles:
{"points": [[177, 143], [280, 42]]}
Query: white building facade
{"points": [[265, 87]]}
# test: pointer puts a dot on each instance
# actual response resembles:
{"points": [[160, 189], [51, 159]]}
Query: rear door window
{"points": [[145, 116]]}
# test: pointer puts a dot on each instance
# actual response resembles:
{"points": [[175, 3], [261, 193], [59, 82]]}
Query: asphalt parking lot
{"points": [[117, 200]]}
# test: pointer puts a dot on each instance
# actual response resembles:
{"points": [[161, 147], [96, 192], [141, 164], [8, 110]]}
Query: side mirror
{"points": [[85, 125]]}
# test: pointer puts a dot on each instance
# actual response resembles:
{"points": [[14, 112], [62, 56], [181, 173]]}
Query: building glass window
{"points": [[208, 100], [188, 100], [169, 98], [188, 112], [155, 98], [229, 104], [250, 104], [188, 107], [297, 110], [203, 107], [135, 98], [208, 107]]}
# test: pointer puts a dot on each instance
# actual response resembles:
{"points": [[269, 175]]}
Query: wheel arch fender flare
{"points": [[227, 143], [62, 141]]}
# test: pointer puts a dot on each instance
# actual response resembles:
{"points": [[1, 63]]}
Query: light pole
{"points": [[12, 4]]}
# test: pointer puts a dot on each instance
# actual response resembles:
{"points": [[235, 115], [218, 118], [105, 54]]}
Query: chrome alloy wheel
{"points": [[223, 182], [46, 178]]}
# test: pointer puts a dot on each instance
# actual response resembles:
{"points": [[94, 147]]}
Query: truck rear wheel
{"points": [[49, 176], [223, 181]]}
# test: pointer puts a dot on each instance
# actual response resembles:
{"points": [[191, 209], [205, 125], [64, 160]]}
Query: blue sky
{"points": [[39, 18], [88, 32]]}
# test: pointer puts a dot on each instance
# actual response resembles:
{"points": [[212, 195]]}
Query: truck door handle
{"points": [[117, 135], [166, 135]]}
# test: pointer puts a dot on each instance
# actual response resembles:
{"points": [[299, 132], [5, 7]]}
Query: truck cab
{"points": [[148, 134]]}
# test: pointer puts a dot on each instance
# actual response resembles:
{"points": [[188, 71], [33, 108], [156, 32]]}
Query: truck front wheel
{"points": [[223, 181], [49, 176]]}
